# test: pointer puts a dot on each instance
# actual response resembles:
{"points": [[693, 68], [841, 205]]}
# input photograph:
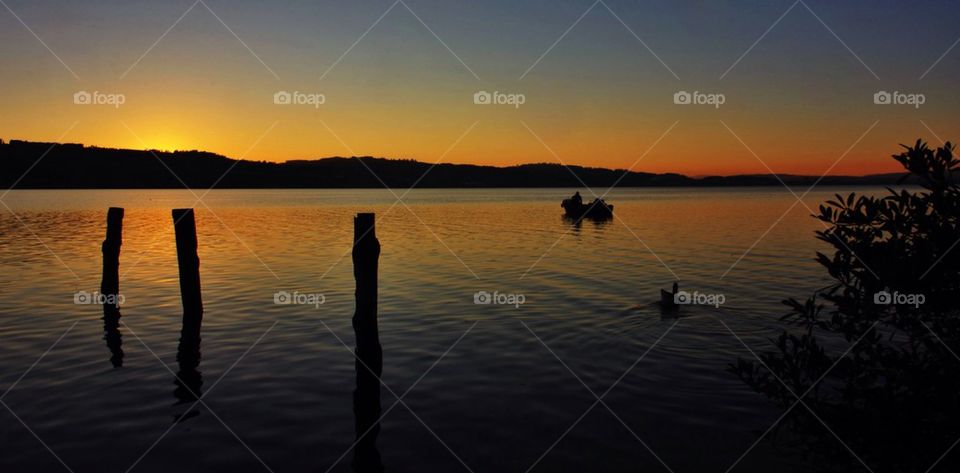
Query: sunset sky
{"points": [[399, 79]]}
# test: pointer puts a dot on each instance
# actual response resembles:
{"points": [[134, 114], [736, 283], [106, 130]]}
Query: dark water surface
{"points": [[485, 387]]}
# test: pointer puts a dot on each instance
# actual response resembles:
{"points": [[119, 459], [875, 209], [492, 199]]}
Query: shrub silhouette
{"points": [[883, 378]]}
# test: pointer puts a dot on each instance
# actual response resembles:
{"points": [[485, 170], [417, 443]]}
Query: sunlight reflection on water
{"points": [[499, 399]]}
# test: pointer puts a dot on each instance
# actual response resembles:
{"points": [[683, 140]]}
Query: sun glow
{"points": [[168, 142]]}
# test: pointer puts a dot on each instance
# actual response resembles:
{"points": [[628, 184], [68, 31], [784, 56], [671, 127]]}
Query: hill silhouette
{"points": [[75, 166]]}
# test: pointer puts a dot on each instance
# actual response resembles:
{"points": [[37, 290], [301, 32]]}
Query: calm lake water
{"points": [[484, 387]]}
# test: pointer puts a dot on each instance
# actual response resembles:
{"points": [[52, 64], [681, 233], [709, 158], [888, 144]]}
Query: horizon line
{"points": [[415, 160]]}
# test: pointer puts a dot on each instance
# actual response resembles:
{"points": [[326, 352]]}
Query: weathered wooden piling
{"points": [[185, 228], [366, 257], [110, 283], [188, 379], [369, 354]]}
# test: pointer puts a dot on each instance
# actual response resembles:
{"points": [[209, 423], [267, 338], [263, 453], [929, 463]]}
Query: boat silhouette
{"points": [[576, 209]]}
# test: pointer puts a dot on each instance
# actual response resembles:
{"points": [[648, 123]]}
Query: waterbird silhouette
{"points": [[668, 300]]}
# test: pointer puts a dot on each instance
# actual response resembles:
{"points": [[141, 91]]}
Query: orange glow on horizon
{"points": [[722, 162], [659, 138]]}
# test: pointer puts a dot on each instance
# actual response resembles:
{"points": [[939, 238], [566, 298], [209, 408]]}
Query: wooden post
{"points": [[369, 354], [188, 380], [366, 256], [110, 284], [185, 228]]}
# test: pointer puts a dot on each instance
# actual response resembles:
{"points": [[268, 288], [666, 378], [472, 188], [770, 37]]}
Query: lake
{"points": [[509, 386]]}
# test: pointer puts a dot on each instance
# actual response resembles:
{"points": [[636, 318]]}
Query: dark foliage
{"points": [[884, 378]]}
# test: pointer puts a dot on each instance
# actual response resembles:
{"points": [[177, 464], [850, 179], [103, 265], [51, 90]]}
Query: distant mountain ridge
{"points": [[75, 166]]}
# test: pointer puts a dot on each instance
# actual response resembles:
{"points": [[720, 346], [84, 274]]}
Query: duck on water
{"points": [[575, 208], [668, 300]]}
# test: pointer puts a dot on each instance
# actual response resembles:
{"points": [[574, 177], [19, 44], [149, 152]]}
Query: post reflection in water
{"points": [[189, 379], [366, 411], [111, 334], [576, 224]]}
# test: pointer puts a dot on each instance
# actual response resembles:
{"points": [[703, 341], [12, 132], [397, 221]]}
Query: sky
{"points": [[598, 80]]}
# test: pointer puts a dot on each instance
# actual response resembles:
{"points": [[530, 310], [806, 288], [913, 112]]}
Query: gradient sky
{"points": [[799, 99]]}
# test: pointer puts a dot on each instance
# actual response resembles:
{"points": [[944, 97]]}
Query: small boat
{"points": [[598, 209], [668, 299]]}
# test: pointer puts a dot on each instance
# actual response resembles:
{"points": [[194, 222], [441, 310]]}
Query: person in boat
{"points": [[577, 199]]}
